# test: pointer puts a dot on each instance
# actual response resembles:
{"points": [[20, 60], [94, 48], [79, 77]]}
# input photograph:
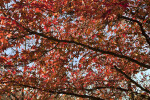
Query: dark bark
{"points": [[89, 47], [141, 26], [129, 78]]}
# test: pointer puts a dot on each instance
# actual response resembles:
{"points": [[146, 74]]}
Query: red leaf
{"points": [[37, 10], [2, 59], [80, 65], [14, 72], [2, 17]]}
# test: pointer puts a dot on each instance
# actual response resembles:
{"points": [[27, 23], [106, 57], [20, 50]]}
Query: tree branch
{"points": [[141, 26], [55, 92], [14, 96], [118, 88], [89, 47], [104, 87], [129, 78]]}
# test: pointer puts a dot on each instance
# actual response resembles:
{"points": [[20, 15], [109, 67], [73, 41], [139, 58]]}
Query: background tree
{"points": [[41, 39]]}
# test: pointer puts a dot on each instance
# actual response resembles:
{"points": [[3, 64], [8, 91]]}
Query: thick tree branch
{"points": [[89, 47], [129, 78], [141, 26]]}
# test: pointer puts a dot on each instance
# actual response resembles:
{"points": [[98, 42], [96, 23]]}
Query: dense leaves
{"points": [[86, 49]]}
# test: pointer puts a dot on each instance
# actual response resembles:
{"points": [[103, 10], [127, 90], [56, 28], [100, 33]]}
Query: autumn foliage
{"points": [[76, 49]]}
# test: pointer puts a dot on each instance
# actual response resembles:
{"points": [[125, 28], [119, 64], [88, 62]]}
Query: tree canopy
{"points": [[77, 49]]}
